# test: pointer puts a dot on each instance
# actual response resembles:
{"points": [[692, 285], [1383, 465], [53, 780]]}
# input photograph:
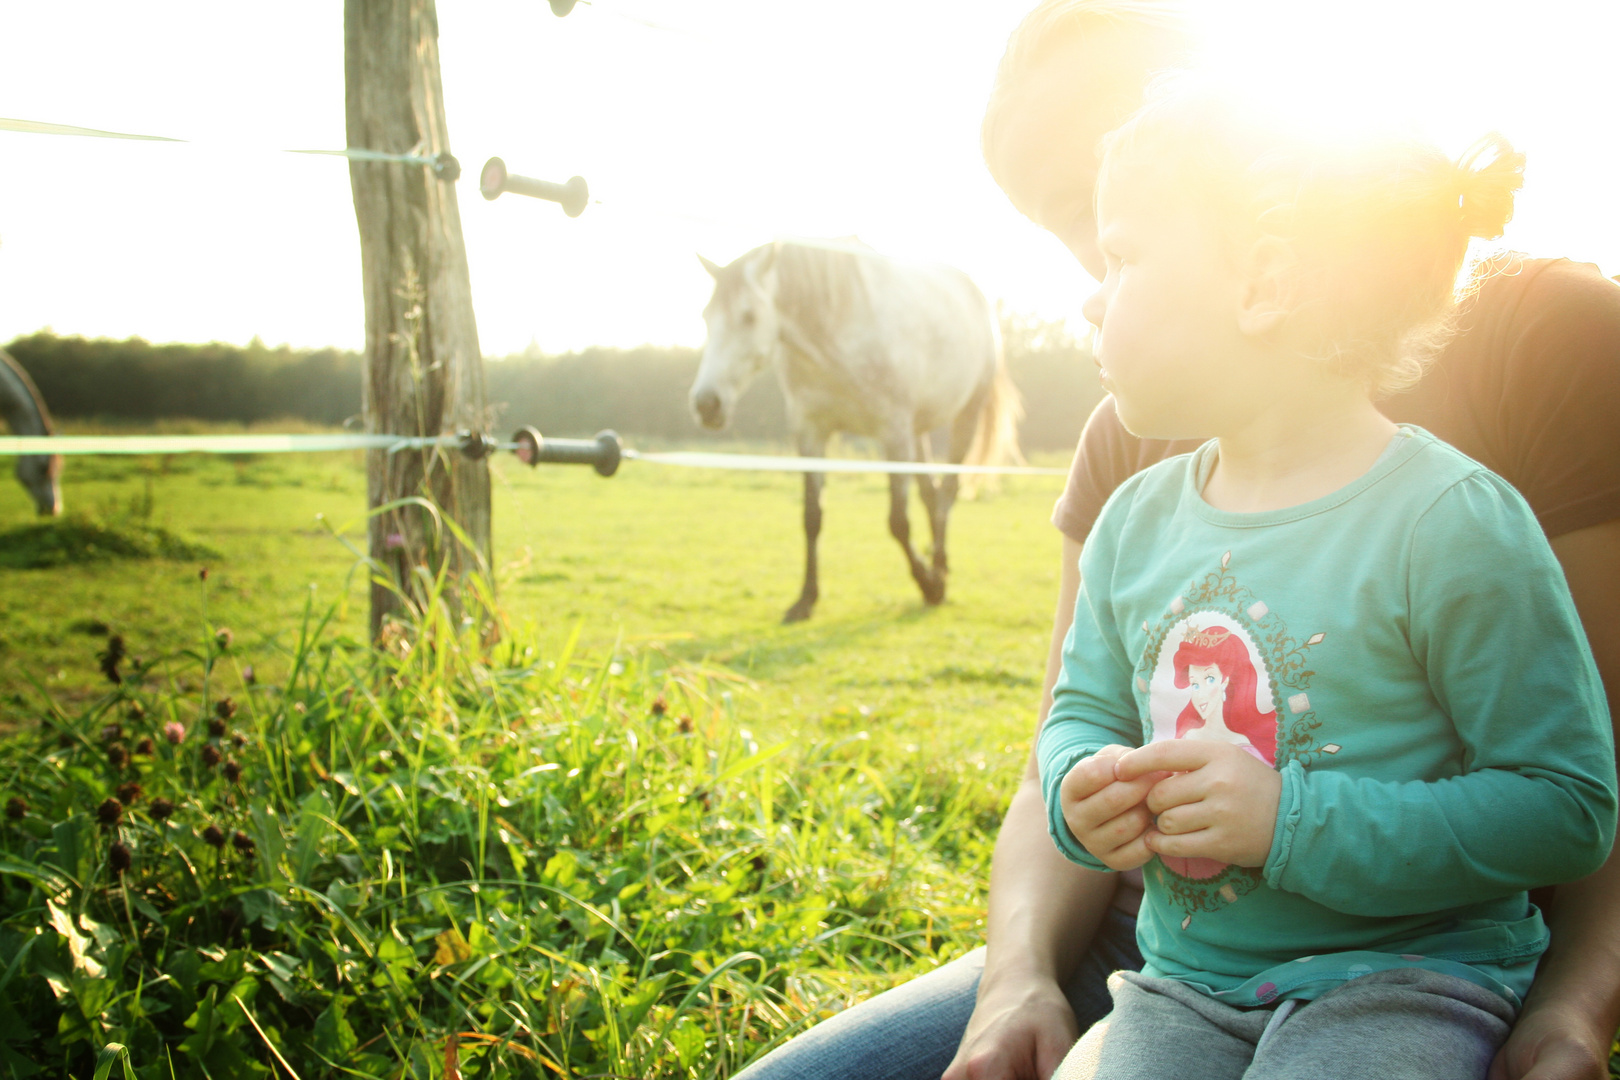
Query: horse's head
{"points": [[743, 328], [41, 475]]}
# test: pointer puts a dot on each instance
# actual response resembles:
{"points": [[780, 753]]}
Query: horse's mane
{"points": [[20, 400], [819, 292]]}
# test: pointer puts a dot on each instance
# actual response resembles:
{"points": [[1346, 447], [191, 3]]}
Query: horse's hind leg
{"points": [[931, 583], [937, 497], [809, 446]]}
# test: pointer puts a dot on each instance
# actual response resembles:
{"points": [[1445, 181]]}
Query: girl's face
{"points": [[1208, 691], [1168, 341]]}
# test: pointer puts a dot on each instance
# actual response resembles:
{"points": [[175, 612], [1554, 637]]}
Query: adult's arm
{"points": [[1043, 913], [1569, 1019]]}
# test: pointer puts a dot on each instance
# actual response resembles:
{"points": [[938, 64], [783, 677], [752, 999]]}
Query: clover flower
{"points": [[118, 857], [175, 732], [110, 812], [160, 808], [129, 792], [210, 755], [214, 836]]}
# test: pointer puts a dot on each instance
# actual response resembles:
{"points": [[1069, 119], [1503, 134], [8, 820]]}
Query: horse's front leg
{"points": [[809, 446], [931, 583]]}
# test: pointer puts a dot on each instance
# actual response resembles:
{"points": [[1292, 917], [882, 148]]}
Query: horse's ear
{"points": [[711, 266], [767, 259]]}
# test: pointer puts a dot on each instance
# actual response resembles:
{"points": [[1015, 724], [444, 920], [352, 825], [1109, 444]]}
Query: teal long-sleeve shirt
{"points": [[1405, 653]]}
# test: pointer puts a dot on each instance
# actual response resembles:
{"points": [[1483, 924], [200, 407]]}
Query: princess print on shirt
{"points": [[1218, 665]]}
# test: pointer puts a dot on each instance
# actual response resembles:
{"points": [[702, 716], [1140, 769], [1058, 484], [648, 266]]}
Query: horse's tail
{"points": [[995, 436]]}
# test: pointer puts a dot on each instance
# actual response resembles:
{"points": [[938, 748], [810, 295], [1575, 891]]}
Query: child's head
{"points": [[1073, 70], [1342, 250]]}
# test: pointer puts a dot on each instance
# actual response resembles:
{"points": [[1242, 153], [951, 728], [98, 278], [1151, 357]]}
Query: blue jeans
{"points": [[912, 1031]]}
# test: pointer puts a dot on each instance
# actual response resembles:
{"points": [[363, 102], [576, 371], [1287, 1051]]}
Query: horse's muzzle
{"points": [[706, 403]]}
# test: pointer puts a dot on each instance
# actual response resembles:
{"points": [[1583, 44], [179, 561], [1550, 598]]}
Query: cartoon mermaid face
{"points": [[1213, 665]]}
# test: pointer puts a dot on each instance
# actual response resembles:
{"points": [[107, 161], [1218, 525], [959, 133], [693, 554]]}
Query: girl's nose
{"points": [[1095, 307]]}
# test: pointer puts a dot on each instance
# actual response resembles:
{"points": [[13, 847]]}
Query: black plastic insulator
{"points": [[475, 445], [446, 167], [602, 453]]}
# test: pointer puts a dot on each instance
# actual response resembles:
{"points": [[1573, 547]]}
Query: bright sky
{"points": [[701, 125]]}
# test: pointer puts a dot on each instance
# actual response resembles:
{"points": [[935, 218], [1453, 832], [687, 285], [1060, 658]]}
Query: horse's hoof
{"points": [[934, 594], [798, 612]]}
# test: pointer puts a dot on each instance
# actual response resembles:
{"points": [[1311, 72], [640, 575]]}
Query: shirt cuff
{"points": [[1290, 807]]}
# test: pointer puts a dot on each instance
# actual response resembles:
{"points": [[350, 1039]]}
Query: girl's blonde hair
{"points": [[1380, 225]]}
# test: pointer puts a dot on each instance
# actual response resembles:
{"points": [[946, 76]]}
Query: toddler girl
{"points": [[1325, 683]]}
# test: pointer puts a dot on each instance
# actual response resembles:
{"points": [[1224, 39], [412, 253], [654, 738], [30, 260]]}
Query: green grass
{"points": [[649, 835]]}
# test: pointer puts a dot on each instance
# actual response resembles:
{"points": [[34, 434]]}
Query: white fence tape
{"points": [[304, 444]]}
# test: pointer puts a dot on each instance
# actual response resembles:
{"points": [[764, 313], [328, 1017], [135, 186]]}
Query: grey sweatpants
{"points": [[1404, 1024]]}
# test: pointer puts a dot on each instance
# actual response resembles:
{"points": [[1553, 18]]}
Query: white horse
{"points": [[25, 413], [864, 345]]}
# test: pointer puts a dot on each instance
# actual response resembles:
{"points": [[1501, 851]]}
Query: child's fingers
{"points": [[1131, 855], [1119, 831], [1176, 789], [1167, 755], [1200, 844], [1185, 818], [1091, 775]]}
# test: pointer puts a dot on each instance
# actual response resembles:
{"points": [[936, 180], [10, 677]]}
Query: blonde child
{"points": [[1325, 683]]}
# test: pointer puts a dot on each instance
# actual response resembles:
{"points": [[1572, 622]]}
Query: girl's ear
{"points": [[1270, 286]]}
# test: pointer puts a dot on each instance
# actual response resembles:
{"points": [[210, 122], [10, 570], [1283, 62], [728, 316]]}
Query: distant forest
{"points": [[638, 392]]}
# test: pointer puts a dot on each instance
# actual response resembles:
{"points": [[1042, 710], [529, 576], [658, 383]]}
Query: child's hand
{"points": [[1219, 803], [1108, 817]]}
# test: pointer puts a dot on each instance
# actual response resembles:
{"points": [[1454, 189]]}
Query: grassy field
{"points": [[685, 564], [748, 825]]}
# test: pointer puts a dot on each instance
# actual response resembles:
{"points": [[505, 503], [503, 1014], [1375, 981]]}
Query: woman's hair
{"points": [[1225, 650], [1379, 224], [1054, 23]]}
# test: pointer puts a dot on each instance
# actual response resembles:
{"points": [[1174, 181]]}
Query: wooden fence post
{"points": [[424, 373]]}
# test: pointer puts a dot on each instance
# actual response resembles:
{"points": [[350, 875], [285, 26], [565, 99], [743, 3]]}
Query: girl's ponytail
{"points": [[1487, 176]]}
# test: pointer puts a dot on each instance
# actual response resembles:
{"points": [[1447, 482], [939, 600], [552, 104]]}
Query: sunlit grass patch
{"points": [[542, 865]]}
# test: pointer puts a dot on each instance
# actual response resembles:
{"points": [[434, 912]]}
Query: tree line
{"points": [[640, 392]]}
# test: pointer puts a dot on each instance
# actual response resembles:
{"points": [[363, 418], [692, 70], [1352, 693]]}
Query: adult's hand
{"points": [[1020, 1030], [1548, 1045]]}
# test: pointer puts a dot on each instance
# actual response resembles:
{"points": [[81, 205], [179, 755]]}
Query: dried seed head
{"points": [[145, 748], [659, 706], [239, 740], [175, 732], [216, 727], [118, 857], [202, 575], [129, 792], [686, 725], [214, 836], [210, 755], [112, 733], [224, 708], [242, 842], [110, 811], [223, 638], [758, 863], [112, 658], [64, 740], [117, 756], [16, 808], [233, 771], [160, 809], [248, 677], [136, 710]]}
